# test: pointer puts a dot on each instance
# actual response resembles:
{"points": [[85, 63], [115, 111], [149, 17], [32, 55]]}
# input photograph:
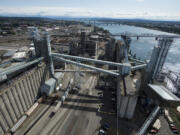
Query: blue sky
{"points": [[148, 9]]}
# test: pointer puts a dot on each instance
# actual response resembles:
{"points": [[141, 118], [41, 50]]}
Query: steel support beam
{"points": [[100, 61], [5, 63], [19, 66], [148, 121], [85, 66], [136, 60], [59, 70], [91, 60], [164, 45], [138, 67]]}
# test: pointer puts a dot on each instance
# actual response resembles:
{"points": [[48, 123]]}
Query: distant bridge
{"points": [[148, 35], [94, 22]]}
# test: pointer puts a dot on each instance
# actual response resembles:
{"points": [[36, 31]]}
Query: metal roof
{"points": [[164, 93]]}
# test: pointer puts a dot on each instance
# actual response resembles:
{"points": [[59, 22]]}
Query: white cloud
{"points": [[140, 0], [46, 11], [75, 12]]}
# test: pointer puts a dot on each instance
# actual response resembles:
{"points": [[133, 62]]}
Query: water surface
{"points": [[143, 47]]}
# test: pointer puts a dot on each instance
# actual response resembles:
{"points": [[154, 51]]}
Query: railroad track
{"points": [[38, 118], [45, 122], [56, 129], [62, 117]]}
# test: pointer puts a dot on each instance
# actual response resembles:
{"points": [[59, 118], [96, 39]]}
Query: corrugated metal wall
{"points": [[126, 106], [19, 94]]}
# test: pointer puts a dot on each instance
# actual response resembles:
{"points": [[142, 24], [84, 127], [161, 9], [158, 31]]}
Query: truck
{"points": [[155, 127]]}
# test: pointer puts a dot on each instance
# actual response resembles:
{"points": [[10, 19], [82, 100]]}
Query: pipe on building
{"points": [[49, 55], [59, 103], [19, 66], [148, 121], [91, 60], [18, 124], [86, 66], [28, 113]]}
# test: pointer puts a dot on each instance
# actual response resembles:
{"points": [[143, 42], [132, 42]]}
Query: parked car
{"points": [[101, 105], [175, 131], [172, 125], [153, 131], [101, 95], [102, 132], [114, 104], [105, 126], [113, 92], [74, 91], [174, 128], [114, 108]]}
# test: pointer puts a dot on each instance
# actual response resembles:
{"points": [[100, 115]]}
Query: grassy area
{"points": [[176, 117]]}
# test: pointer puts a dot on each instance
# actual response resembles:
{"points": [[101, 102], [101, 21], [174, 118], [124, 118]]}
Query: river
{"points": [[143, 47]]}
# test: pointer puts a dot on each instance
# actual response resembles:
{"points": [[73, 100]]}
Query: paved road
{"points": [[164, 130], [77, 116]]}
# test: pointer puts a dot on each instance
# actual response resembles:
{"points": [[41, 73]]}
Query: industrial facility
{"points": [[79, 80]]}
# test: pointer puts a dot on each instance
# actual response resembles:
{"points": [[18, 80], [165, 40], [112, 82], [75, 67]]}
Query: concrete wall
{"points": [[126, 106], [19, 94]]}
